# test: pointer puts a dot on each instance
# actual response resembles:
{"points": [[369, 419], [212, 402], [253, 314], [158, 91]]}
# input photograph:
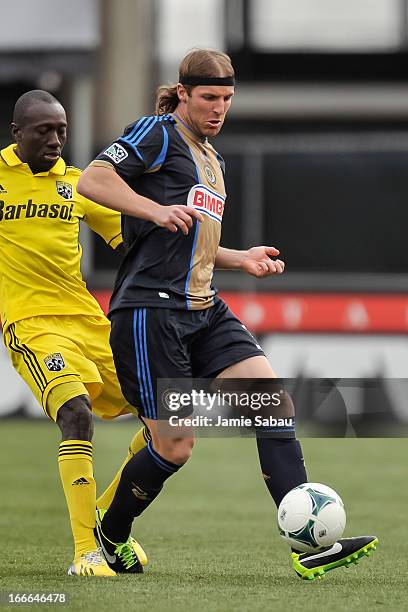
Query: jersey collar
{"points": [[186, 129], [11, 159]]}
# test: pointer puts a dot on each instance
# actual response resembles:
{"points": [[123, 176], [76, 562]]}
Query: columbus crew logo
{"points": [[54, 362], [64, 190], [210, 174]]}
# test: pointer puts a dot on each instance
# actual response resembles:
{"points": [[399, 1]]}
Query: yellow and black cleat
{"points": [[90, 564], [122, 557]]}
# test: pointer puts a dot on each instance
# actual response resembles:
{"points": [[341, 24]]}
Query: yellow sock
{"points": [[75, 467], [139, 441]]}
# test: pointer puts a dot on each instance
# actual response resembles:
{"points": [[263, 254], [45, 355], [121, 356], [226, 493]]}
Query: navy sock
{"points": [[282, 465], [141, 481]]}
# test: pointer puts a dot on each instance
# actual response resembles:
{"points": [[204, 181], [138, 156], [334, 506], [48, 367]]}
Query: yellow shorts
{"points": [[48, 351]]}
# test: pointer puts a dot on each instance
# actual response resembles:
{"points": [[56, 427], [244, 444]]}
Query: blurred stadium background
{"points": [[316, 146]]}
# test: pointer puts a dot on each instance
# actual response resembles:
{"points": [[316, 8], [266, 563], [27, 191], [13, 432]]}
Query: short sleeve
{"points": [[142, 148], [103, 221]]}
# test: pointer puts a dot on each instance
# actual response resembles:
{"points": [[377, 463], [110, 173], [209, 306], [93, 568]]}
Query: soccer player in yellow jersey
{"points": [[55, 331]]}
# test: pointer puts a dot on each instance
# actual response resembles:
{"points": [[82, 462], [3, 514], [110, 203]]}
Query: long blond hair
{"points": [[199, 62]]}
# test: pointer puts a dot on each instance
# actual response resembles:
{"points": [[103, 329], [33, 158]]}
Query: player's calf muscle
{"points": [[74, 419]]}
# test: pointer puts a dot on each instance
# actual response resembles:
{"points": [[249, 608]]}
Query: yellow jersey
{"points": [[40, 252]]}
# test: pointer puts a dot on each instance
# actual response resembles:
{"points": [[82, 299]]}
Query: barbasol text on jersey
{"points": [[30, 210]]}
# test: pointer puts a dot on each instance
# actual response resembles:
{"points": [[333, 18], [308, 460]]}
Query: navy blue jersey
{"points": [[160, 158]]}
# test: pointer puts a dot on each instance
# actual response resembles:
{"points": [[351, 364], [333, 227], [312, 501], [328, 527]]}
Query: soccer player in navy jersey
{"points": [[167, 180]]}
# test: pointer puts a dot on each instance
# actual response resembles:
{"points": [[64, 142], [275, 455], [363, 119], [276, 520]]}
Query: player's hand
{"points": [[177, 217], [257, 262]]}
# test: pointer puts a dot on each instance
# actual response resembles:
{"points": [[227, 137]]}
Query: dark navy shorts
{"points": [[150, 343]]}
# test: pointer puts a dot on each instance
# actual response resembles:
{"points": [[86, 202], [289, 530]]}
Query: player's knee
{"points": [[184, 451], [74, 418], [176, 450]]}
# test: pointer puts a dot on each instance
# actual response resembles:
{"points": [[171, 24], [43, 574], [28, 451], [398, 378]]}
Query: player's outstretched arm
{"points": [[103, 185], [255, 261]]}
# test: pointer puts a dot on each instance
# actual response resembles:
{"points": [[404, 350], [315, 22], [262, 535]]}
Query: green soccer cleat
{"points": [[122, 557], [90, 564], [343, 553]]}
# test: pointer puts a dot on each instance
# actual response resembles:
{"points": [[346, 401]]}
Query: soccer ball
{"points": [[311, 516]]}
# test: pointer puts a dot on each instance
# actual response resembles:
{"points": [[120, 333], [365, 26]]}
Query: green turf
{"points": [[211, 536]]}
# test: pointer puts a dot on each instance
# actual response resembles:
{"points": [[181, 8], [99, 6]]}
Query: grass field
{"points": [[211, 536]]}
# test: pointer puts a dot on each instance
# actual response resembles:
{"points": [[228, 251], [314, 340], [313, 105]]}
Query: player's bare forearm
{"points": [[102, 184], [255, 261], [229, 259]]}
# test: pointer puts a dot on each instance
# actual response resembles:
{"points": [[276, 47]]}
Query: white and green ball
{"points": [[311, 516]]}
